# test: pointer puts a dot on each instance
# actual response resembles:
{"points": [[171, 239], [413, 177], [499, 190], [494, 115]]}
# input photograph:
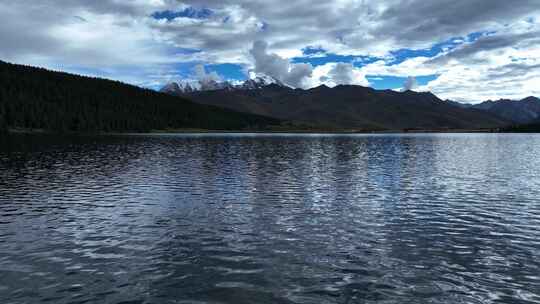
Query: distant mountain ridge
{"points": [[36, 98], [348, 106], [522, 111], [188, 87]]}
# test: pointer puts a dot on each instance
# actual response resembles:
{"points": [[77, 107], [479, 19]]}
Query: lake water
{"points": [[240, 218]]}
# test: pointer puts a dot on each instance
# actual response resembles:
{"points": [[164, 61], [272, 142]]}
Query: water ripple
{"points": [[247, 218]]}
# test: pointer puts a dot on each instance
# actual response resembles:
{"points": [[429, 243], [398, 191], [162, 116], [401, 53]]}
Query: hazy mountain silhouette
{"points": [[523, 111]]}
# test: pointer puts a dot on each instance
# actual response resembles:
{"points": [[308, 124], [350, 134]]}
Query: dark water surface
{"points": [[270, 219]]}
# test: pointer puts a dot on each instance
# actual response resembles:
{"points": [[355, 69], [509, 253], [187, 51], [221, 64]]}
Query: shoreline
{"points": [[21, 131]]}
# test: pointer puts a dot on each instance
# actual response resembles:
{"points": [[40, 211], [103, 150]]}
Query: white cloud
{"points": [[332, 74], [120, 40], [205, 77], [277, 67], [410, 84], [410, 67]]}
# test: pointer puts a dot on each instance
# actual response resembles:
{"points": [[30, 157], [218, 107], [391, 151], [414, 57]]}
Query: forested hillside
{"points": [[35, 98]]}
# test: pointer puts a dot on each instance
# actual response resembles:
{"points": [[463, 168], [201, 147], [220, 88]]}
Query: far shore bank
{"points": [[21, 131]]}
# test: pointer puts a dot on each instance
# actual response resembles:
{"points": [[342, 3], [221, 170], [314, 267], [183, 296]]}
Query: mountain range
{"points": [[35, 98], [345, 106], [522, 111], [188, 87]]}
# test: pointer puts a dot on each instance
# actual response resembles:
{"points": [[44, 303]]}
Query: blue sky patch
{"points": [[317, 56], [311, 50], [394, 82], [182, 51], [358, 61], [189, 12], [397, 56], [228, 71], [403, 54]]}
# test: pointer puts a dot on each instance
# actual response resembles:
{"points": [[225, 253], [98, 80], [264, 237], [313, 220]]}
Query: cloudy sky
{"points": [[466, 50]]}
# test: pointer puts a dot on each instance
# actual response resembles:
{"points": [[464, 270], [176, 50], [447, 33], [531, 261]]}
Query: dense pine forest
{"points": [[35, 98]]}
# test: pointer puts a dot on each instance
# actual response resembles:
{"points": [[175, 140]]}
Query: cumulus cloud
{"points": [[332, 74], [443, 19], [200, 74], [304, 75], [361, 27], [341, 27], [502, 64], [342, 73], [96, 38], [121, 39], [410, 84], [489, 43], [277, 67]]}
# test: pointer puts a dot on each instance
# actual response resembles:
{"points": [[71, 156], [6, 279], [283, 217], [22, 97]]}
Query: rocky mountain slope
{"points": [[347, 106], [518, 111]]}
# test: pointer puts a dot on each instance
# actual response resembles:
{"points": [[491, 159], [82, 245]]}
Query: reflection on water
{"points": [[270, 219]]}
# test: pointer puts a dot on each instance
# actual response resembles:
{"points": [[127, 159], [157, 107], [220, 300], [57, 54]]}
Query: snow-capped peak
{"points": [[170, 87], [260, 82], [187, 87]]}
